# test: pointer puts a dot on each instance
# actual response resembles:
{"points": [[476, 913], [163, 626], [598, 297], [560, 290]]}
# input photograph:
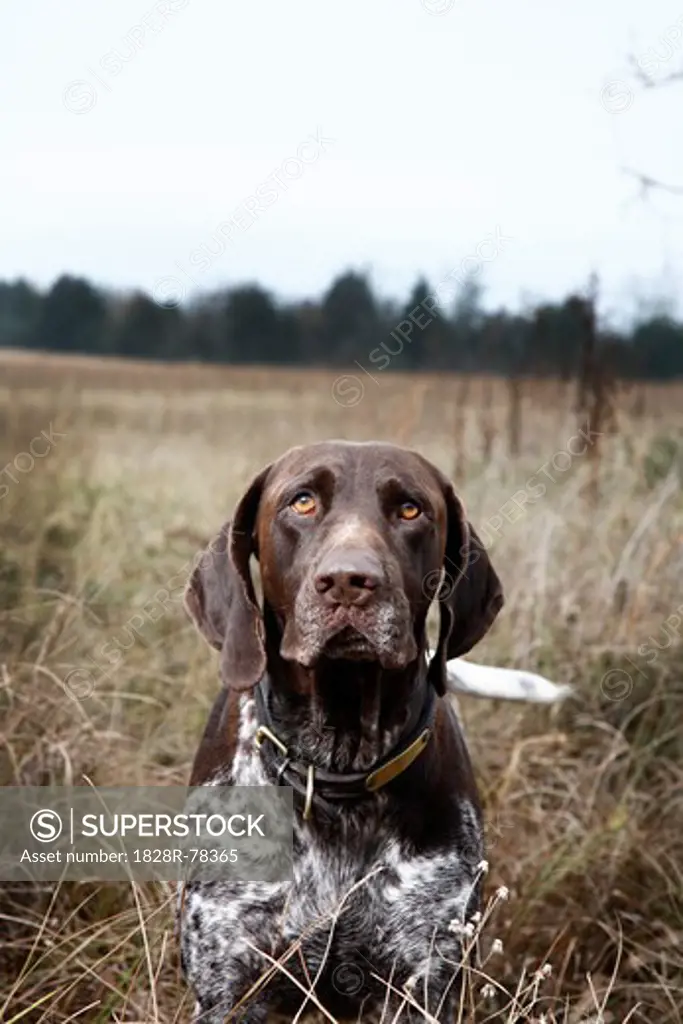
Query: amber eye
{"points": [[304, 504], [409, 510]]}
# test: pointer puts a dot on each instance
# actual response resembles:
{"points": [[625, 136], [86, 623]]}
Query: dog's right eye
{"points": [[304, 504], [409, 510]]}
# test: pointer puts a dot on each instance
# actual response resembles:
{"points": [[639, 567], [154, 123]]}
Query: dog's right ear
{"points": [[220, 597]]}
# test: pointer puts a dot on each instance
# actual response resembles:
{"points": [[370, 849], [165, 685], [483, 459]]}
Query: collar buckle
{"points": [[264, 733]]}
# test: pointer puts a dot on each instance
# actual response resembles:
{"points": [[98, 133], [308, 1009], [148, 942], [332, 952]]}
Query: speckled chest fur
{"points": [[364, 917]]}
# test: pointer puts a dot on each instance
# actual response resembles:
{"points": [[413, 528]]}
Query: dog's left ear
{"points": [[220, 596], [470, 595]]}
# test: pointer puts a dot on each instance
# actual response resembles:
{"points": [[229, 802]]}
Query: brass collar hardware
{"points": [[310, 786], [264, 733]]}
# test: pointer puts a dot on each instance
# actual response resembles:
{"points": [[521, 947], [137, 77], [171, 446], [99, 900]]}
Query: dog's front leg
{"points": [[223, 928], [427, 932]]}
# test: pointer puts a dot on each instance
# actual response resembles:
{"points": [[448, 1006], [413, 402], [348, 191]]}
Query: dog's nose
{"points": [[348, 578]]}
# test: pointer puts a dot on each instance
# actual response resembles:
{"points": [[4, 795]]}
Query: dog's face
{"points": [[352, 540], [349, 538]]}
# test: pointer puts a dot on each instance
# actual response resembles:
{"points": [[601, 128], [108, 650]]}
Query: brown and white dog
{"points": [[354, 542]]}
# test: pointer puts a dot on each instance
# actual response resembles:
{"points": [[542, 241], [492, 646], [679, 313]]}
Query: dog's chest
{"points": [[354, 913], [354, 875], [357, 900]]}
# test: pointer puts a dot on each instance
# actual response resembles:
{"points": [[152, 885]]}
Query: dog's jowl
{"points": [[327, 687]]}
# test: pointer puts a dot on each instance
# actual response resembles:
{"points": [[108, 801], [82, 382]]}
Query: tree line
{"points": [[349, 324]]}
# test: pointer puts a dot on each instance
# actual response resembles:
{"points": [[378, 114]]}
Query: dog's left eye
{"points": [[304, 504], [409, 510]]}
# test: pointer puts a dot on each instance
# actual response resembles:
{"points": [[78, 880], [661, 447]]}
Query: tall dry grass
{"points": [[584, 803]]}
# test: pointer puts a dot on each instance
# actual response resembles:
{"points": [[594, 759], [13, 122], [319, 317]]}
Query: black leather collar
{"points": [[330, 791]]}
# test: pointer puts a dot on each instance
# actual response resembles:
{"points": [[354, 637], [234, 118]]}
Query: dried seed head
{"points": [[543, 972]]}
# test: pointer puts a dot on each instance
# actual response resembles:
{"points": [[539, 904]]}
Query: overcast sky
{"points": [[395, 136]]}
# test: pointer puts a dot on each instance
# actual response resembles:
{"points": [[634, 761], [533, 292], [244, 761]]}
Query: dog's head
{"points": [[354, 541]]}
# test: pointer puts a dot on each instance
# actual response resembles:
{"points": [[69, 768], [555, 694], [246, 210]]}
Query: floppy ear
{"points": [[220, 597], [470, 595]]}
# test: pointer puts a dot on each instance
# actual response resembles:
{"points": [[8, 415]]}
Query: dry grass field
{"points": [[584, 802]]}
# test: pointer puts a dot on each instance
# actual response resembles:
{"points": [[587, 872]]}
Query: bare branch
{"points": [[647, 183], [647, 80]]}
